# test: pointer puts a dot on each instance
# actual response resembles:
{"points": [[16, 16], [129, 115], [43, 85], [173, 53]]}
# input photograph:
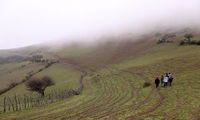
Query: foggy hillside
{"points": [[26, 23]]}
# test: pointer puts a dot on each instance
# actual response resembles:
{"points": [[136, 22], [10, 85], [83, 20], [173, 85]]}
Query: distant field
{"points": [[64, 76], [114, 89], [15, 72]]}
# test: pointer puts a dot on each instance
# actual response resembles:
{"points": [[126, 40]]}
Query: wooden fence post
{"points": [[31, 101], [52, 98], [19, 102], [49, 98], [9, 107], [16, 104], [4, 105], [24, 101], [12, 105], [28, 104]]}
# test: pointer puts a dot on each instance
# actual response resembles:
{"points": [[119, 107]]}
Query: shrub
{"points": [[188, 37], [193, 42], [146, 84], [39, 84], [182, 42], [198, 42], [40, 70]]}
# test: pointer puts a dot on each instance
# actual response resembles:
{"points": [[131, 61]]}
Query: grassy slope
{"points": [[64, 75], [15, 72], [115, 90]]}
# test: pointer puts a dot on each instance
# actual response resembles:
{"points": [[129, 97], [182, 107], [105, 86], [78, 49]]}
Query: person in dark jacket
{"points": [[157, 82], [170, 79]]}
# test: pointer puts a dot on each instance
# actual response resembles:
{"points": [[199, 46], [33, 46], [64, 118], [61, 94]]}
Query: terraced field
{"points": [[115, 91]]}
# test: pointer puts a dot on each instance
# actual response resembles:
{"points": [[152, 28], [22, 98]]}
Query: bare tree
{"points": [[188, 37], [39, 84]]}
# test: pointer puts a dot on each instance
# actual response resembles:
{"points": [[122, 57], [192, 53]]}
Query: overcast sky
{"points": [[27, 22]]}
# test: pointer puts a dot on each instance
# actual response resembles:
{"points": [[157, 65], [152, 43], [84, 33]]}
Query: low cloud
{"points": [[30, 22]]}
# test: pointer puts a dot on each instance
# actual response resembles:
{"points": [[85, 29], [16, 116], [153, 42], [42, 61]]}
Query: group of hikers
{"points": [[168, 78]]}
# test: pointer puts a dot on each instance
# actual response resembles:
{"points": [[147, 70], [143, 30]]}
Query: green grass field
{"points": [[64, 75], [15, 72], [113, 88]]}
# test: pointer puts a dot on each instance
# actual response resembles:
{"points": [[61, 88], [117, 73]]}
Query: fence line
{"points": [[17, 103]]}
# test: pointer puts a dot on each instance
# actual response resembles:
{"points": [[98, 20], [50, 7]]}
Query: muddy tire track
{"points": [[167, 115], [151, 109], [196, 116]]}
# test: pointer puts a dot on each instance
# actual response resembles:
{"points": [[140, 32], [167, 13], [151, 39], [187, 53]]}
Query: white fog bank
{"points": [[27, 22]]}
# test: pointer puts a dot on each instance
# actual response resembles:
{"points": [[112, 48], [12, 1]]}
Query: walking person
{"points": [[157, 82], [166, 78], [162, 80], [170, 79]]}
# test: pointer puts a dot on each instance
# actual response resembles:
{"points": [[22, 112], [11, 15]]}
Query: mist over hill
{"points": [[26, 23], [99, 59]]}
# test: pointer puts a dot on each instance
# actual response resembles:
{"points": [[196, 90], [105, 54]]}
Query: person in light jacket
{"points": [[166, 78]]}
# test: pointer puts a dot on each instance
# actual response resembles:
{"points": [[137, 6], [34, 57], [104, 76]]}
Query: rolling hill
{"points": [[116, 72]]}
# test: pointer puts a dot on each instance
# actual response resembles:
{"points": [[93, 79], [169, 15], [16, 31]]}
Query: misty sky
{"points": [[26, 22]]}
